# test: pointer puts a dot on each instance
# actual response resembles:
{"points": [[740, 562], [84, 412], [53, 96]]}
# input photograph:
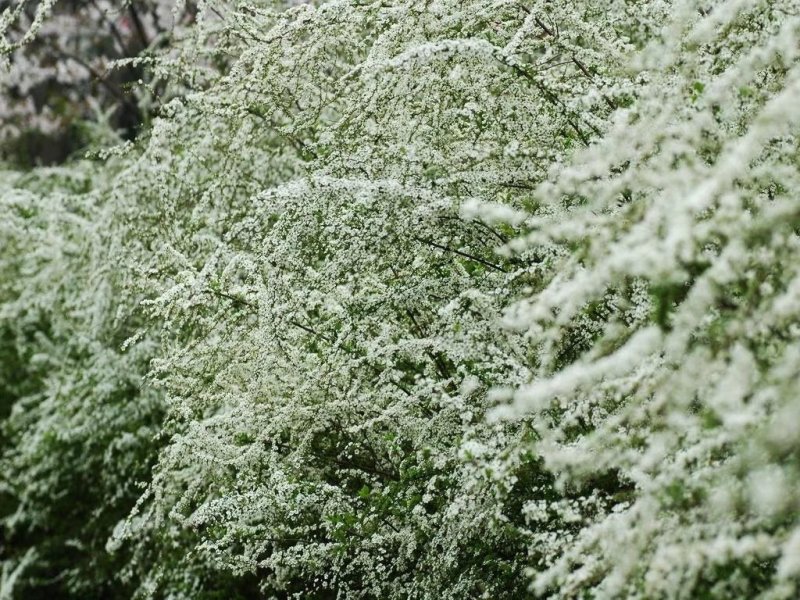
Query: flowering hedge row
{"points": [[450, 299]]}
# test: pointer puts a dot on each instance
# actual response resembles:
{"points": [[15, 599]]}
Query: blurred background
{"points": [[77, 79]]}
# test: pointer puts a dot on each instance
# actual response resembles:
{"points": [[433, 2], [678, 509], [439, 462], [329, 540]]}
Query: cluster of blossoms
{"points": [[418, 299]]}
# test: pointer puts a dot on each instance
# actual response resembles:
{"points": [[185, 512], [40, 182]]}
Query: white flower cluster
{"points": [[419, 299]]}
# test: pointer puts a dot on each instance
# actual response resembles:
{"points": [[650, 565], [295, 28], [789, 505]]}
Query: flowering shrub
{"points": [[418, 300], [688, 200]]}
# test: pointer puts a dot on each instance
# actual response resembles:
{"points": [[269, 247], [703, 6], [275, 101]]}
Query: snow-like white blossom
{"points": [[475, 299]]}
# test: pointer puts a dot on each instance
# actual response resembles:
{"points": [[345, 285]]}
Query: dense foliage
{"points": [[412, 299]]}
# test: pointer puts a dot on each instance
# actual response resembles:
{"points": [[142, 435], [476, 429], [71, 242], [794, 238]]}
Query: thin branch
{"points": [[243, 302], [460, 253], [101, 79], [137, 23]]}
